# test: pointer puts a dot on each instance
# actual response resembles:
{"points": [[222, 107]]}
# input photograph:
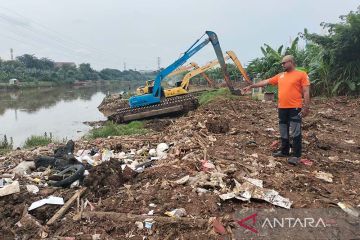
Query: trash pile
{"points": [[189, 179]]}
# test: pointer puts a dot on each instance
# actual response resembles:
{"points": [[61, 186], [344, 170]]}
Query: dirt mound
{"points": [[107, 176], [218, 126], [111, 103], [209, 161], [158, 125]]}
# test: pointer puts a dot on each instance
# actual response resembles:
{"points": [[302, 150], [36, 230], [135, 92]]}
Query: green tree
{"points": [[340, 55]]}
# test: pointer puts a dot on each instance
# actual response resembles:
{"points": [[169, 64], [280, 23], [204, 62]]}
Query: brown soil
{"points": [[217, 126], [107, 176], [236, 136]]}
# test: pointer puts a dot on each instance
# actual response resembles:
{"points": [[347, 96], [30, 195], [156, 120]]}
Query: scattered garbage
{"points": [[201, 191], [150, 213], [75, 184], [207, 166], [24, 168], [350, 141], [152, 152], [32, 189], [253, 188], [106, 154], [50, 200], [274, 145], [327, 177], [139, 225], [182, 180], [179, 212], [161, 150], [256, 182], [218, 226], [201, 171], [334, 158], [349, 209], [149, 223], [306, 162], [11, 188]]}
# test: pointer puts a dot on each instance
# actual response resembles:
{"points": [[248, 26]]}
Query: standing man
{"points": [[293, 85]]}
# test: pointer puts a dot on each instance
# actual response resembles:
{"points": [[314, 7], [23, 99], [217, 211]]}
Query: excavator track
{"points": [[177, 104]]}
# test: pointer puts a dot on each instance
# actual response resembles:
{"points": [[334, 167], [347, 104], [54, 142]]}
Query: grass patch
{"points": [[113, 129], [5, 145], [208, 97], [37, 141]]}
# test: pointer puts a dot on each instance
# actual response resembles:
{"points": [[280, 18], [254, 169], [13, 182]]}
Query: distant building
{"points": [[62, 64], [14, 81]]}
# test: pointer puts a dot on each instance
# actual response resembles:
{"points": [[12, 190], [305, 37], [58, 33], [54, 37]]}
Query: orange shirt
{"points": [[290, 86]]}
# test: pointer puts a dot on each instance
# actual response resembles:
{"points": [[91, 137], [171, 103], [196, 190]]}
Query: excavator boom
{"points": [[204, 75], [183, 88], [237, 62]]}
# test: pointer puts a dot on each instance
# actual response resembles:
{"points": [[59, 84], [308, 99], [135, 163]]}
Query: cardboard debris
{"points": [[327, 177], [49, 200], [24, 168], [12, 188], [253, 188], [349, 209]]}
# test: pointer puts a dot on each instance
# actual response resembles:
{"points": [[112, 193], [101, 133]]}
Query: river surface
{"points": [[60, 111]]}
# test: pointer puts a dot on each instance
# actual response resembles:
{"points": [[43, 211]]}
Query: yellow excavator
{"points": [[149, 84], [183, 86], [204, 75], [238, 64]]}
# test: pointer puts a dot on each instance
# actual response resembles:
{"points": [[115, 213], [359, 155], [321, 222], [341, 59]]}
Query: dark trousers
{"points": [[290, 122]]}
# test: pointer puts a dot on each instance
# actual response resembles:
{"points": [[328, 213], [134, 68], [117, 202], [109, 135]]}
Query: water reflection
{"points": [[59, 110]]}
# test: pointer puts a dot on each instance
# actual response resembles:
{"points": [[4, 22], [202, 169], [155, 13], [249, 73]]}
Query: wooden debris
{"points": [[66, 206], [126, 217]]}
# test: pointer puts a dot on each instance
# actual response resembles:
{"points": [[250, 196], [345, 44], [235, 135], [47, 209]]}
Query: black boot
{"points": [[280, 154]]}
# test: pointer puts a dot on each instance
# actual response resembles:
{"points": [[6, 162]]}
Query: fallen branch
{"points": [[126, 217], [66, 206]]}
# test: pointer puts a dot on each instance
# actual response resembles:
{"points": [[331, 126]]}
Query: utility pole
{"points": [[124, 66], [158, 62], [11, 54]]}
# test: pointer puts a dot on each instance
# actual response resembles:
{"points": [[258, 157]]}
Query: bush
{"points": [[36, 141], [208, 97], [113, 129], [5, 145]]}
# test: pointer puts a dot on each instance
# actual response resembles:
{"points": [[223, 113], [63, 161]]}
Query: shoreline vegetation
{"points": [[28, 71], [84, 83]]}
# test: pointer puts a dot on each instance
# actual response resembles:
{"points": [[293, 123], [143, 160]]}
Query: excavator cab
{"points": [[145, 89]]}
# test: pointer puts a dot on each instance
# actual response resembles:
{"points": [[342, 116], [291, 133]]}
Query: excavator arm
{"points": [[181, 70], [204, 75], [183, 88], [157, 93], [186, 80], [237, 62]]}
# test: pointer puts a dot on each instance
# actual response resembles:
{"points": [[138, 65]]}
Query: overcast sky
{"points": [[107, 33]]}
